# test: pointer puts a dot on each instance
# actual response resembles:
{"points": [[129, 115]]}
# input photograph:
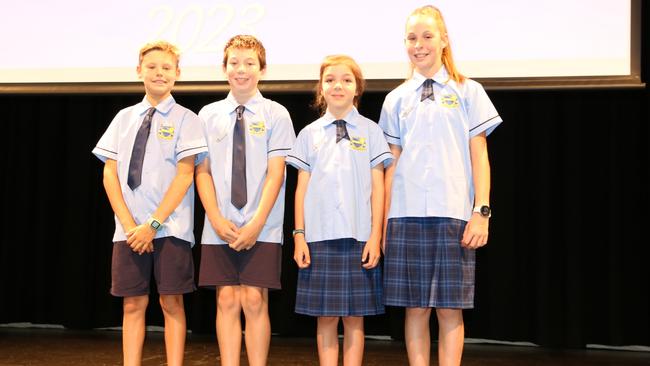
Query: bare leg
{"points": [[327, 340], [133, 321], [353, 340], [229, 324], [175, 328], [416, 333], [451, 336], [255, 303]]}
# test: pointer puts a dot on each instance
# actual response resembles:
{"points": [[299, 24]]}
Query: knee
{"points": [[449, 315], [254, 300], [135, 305], [353, 322], [419, 315], [328, 321], [228, 299], [172, 304]]}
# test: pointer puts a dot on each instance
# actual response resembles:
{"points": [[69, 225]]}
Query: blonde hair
{"points": [[159, 46], [332, 60], [246, 42], [447, 58]]}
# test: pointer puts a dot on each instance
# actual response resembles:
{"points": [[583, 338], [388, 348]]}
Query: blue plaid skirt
{"points": [[425, 265], [335, 284]]}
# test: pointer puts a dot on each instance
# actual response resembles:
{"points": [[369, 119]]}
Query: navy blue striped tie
{"points": [[139, 147]]}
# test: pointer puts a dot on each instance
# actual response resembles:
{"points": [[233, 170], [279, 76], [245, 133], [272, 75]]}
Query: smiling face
{"points": [[424, 44], [243, 71], [158, 71], [339, 88]]}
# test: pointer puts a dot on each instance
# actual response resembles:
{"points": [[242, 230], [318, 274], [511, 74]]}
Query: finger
{"points": [[307, 257]]}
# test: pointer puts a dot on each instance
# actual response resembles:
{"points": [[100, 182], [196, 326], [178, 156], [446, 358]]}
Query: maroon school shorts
{"points": [[257, 267], [171, 261]]}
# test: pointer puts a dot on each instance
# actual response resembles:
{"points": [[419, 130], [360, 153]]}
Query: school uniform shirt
{"points": [[268, 134], [433, 176], [175, 134], [337, 200]]}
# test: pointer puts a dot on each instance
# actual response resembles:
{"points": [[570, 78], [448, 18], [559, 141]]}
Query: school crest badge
{"points": [[358, 143], [449, 101], [166, 132], [257, 128]]}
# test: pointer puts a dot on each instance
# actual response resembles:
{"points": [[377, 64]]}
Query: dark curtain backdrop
{"points": [[566, 266]]}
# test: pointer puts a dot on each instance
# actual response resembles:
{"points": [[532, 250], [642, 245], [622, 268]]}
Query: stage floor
{"points": [[70, 348]]}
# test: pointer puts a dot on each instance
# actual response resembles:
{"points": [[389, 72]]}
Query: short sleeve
{"points": [[297, 156], [389, 121], [482, 115], [282, 136], [379, 151], [107, 145], [191, 139]]}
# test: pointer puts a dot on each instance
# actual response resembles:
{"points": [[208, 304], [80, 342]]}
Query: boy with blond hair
{"points": [[149, 152]]}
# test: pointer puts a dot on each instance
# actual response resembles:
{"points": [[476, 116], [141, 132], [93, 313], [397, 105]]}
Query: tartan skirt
{"points": [[425, 264], [335, 284]]}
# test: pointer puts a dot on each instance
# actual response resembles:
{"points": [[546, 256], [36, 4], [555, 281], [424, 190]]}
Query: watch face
{"points": [[155, 224], [485, 211]]}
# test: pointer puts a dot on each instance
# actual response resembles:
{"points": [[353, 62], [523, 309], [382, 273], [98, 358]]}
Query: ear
{"points": [[263, 71], [445, 40], [139, 71], [178, 72]]}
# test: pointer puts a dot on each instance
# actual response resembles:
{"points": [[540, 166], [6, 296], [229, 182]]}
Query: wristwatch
{"points": [[298, 231], [484, 210], [154, 224]]}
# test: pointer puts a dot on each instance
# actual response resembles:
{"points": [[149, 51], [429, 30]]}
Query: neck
{"points": [[155, 100], [339, 113], [243, 98], [431, 71]]}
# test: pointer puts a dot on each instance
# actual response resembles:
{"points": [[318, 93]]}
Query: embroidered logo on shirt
{"points": [[166, 132], [257, 128], [449, 101], [358, 143]]}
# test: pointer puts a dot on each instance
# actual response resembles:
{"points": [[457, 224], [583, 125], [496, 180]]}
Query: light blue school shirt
{"points": [[175, 134], [269, 133], [433, 176], [337, 201]]}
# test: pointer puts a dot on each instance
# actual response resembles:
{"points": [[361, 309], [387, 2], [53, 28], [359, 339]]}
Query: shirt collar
{"points": [[163, 107], [251, 105], [441, 77], [349, 118]]}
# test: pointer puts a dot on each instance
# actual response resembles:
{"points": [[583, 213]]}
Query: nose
{"points": [[337, 85]]}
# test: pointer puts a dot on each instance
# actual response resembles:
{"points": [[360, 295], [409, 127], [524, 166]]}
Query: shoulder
{"points": [[273, 108], [212, 108]]}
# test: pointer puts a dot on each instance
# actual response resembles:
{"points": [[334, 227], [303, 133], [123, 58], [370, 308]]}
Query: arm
{"points": [[272, 184], [224, 228], [301, 250], [396, 150], [476, 230], [372, 251], [114, 193], [140, 238]]}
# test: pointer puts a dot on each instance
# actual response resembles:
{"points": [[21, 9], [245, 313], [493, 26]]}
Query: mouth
{"points": [[420, 55], [160, 82]]}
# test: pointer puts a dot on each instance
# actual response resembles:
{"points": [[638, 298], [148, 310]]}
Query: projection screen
{"points": [[73, 44]]}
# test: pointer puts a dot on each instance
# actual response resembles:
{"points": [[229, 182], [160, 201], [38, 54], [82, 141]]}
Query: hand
{"points": [[140, 238], [301, 251], [247, 236], [476, 232], [371, 254], [225, 229]]}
